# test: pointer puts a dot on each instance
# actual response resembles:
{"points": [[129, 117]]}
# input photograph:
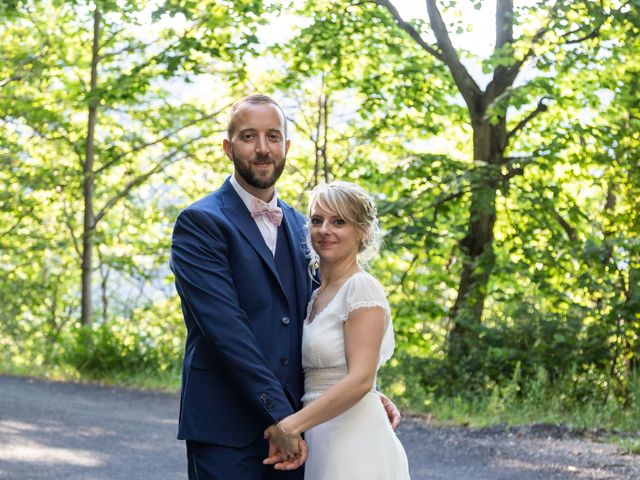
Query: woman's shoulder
{"points": [[364, 280], [364, 290]]}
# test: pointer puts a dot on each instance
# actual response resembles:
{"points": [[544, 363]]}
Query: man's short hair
{"points": [[255, 99]]}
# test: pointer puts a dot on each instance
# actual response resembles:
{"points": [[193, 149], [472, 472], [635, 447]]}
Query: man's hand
{"points": [[276, 459], [392, 411], [284, 443], [286, 451]]}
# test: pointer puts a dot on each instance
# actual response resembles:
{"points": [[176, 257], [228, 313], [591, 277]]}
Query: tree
{"points": [[101, 93], [504, 143]]}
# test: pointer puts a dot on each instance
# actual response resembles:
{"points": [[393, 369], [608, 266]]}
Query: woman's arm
{"points": [[363, 332]]}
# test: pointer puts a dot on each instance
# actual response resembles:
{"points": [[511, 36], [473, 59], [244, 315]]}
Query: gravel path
{"points": [[51, 430]]}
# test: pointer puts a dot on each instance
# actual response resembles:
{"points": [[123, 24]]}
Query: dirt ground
{"points": [[56, 430]]}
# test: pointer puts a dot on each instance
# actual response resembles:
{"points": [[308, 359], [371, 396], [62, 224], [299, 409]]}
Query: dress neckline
{"points": [[309, 321]]}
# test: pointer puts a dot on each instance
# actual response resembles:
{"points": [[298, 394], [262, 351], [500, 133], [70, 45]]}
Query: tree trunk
{"points": [[478, 258], [325, 123], [632, 307], [88, 179]]}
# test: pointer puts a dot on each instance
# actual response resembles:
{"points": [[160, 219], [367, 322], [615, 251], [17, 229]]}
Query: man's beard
{"points": [[249, 176]]}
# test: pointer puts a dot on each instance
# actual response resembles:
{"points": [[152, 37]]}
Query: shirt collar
{"points": [[247, 198]]}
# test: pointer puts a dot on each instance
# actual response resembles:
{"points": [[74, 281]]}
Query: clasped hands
{"points": [[286, 450]]}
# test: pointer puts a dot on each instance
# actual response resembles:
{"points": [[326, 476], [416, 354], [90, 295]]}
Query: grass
{"points": [[155, 381], [484, 412], [509, 405], [629, 445], [604, 421]]}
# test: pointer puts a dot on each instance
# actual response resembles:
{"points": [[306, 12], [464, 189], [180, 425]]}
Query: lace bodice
{"points": [[323, 354]]}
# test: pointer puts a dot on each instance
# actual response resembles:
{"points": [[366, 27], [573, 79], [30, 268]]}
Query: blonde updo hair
{"points": [[354, 206]]}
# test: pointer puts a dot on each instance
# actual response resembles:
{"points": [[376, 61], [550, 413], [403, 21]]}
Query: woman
{"points": [[347, 336]]}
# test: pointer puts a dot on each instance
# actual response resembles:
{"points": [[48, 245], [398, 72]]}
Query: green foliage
{"points": [[562, 291], [145, 349], [154, 133], [539, 401], [153, 344], [560, 326]]}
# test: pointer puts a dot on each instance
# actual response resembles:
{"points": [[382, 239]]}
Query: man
{"points": [[241, 272]]}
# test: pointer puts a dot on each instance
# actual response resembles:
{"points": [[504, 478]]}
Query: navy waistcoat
{"points": [[290, 361]]}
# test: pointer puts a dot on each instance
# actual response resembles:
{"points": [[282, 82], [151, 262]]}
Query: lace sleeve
{"points": [[363, 291]]}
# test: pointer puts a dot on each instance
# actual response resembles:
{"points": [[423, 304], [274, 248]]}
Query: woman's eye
{"points": [[316, 221], [339, 221]]}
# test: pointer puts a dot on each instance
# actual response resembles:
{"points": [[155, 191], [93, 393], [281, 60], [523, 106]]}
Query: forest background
{"points": [[506, 178]]}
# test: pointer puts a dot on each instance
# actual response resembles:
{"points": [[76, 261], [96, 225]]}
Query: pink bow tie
{"points": [[274, 214]]}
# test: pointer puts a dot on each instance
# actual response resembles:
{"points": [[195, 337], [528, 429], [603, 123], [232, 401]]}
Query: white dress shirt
{"points": [[268, 230]]}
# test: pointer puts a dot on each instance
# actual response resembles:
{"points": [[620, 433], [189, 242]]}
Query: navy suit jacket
{"points": [[235, 382]]}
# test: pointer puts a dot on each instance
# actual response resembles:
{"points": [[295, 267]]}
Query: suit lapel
{"points": [[237, 213]]}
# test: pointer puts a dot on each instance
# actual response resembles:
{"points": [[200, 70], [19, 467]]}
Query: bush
{"points": [[152, 343]]}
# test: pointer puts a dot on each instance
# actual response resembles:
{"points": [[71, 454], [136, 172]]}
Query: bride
{"points": [[347, 336]]}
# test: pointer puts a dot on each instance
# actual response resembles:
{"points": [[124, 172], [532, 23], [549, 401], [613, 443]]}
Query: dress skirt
{"points": [[357, 445]]}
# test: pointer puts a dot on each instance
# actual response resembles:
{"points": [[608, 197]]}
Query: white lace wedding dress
{"points": [[359, 444]]}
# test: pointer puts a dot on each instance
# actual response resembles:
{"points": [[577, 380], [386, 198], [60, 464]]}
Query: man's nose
{"points": [[261, 144]]}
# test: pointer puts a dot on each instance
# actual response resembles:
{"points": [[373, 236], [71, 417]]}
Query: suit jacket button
{"points": [[285, 320], [284, 360]]}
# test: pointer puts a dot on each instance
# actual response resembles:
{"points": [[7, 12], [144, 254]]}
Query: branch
{"points": [[504, 23], [466, 84], [407, 27], [67, 222], [37, 131], [163, 163], [20, 69], [592, 34], [115, 53], [325, 112], [441, 201], [160, 139], [405, 274], [17, 222], [609, 209], [29, 59], [10, 79], [521, 124], [548, 209], [568, 229], [300, 127], [124, 192], [112, 36], [512, 170], [504, 77], [504, 39], [576, 208], [127, 48]]}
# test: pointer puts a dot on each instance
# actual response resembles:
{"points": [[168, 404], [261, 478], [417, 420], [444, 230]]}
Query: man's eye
{"points": [[274, 137], [247, 136]]}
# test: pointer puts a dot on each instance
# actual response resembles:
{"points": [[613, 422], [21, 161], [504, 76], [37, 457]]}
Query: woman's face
{"points": [[332, 238]]}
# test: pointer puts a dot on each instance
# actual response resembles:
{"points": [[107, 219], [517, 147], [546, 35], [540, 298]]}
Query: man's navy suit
{"points": [[244, 308]]}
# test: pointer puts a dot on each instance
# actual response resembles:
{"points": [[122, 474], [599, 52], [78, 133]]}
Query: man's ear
{"points": [[226, 145], [287, 144]]}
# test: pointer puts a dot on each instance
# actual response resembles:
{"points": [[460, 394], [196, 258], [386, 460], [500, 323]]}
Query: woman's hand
{"points": [[286, 451], [392, 411]]}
